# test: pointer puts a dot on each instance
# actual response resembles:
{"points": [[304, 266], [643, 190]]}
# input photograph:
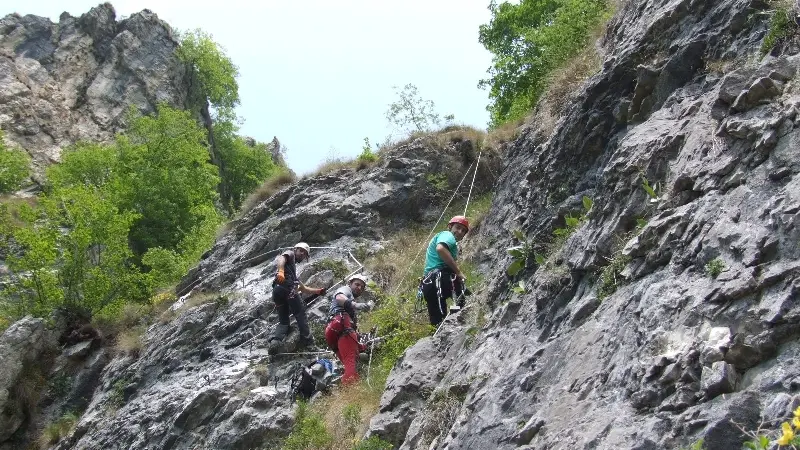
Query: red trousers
{"points": [[343, 340]]}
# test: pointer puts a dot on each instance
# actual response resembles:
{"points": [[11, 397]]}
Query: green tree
{"points": [[71, 252], [14, 167], [213, 68], [411, 110], [529, 40], [166, 179], [244, 166]]}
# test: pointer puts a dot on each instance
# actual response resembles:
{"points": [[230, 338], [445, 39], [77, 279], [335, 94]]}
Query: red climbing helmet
{"points": [[459, 219]]}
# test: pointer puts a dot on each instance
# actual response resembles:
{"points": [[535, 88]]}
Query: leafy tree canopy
{"points": [[214, 69], [529, 40]]}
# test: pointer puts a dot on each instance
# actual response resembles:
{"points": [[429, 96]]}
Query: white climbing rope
{"points": [[473, 182], [436, 225]]}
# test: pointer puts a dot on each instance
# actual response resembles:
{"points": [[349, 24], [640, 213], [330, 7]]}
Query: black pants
{"points": [[437, 287], [286, 303]]}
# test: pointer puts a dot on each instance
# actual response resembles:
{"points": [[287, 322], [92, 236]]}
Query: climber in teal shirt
{"points": [[442, 277]]}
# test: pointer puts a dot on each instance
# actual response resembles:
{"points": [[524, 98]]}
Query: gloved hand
{"points": [[280, 277], [321, 291]]}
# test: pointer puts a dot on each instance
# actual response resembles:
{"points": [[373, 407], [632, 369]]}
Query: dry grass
{"points": [[55, 431], [266, 190], [562, 87], [130, 341], [347, 411], [719, 66], [506, 132]]}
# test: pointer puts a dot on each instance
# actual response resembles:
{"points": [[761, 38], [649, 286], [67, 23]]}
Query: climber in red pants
{"points": [[341, 333]]}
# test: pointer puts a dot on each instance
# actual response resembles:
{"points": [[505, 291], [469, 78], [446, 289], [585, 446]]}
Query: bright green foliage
{"points": [[520, 254], [167, 179], [529, 40], [243, 167], [651, 191], [367, 155], [715, 267], [14, 167], [74, 254], [309, 431], [373, 443], [213, 68], [115, 221], [779, 28], [611, 275], [411, 112]]}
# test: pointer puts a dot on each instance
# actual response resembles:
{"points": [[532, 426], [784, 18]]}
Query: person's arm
{"points": [[280, 261], [308, 290], [444, 253], [341, 299]]}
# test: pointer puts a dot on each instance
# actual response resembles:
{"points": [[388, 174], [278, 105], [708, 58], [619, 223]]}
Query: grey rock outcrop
{"points": [[76, 79], [204, 377], [644, 368], [22, 347]]}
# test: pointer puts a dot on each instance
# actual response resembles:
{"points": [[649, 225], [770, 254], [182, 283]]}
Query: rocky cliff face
{"points": [[697, 324], [659, 320], [76, 79], [203, 377]]}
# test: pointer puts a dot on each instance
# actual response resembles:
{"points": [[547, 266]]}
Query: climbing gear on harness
{"points": [[460, 220], [436, 225]]}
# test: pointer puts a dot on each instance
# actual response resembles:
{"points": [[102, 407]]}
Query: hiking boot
{"points": [[274, 346], [306, 344]]}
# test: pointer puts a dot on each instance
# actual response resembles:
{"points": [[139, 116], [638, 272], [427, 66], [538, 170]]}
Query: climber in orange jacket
{"points": [[341, 333], [286, 291]]}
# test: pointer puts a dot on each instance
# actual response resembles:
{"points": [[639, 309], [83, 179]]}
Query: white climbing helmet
{"points": [[357, 276], [305, 247]]}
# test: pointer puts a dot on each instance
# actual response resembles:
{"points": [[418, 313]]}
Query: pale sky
{"points": [[319, 74]]}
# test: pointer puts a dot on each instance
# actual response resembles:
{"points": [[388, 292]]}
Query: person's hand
{"points": [[461, 277], [321, 291], [370, 305], [280, 277]]}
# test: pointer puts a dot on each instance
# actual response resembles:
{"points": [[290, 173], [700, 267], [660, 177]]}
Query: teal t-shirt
{"points": [[432, 259]]}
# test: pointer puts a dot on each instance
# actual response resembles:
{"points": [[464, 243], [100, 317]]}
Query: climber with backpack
{"points": [[341, 333], [442, 278], [286, 290]]}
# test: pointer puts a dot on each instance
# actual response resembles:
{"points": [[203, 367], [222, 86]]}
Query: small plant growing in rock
{"points": [[60, 428], [781, 27], [610, 276], [438, 181], [519, 254], [373, 443], [715, 267], [789, 435], [367, 156], [519, 288], [337, 266], [572, 223], [651, 191]]}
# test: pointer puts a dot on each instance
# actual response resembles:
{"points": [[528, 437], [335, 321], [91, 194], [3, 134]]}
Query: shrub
{"points": [[780, 27], [529, 41], [309, 431], [14, 167], [715, 267], [55, 431], [610, 276], [373, 443]]}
